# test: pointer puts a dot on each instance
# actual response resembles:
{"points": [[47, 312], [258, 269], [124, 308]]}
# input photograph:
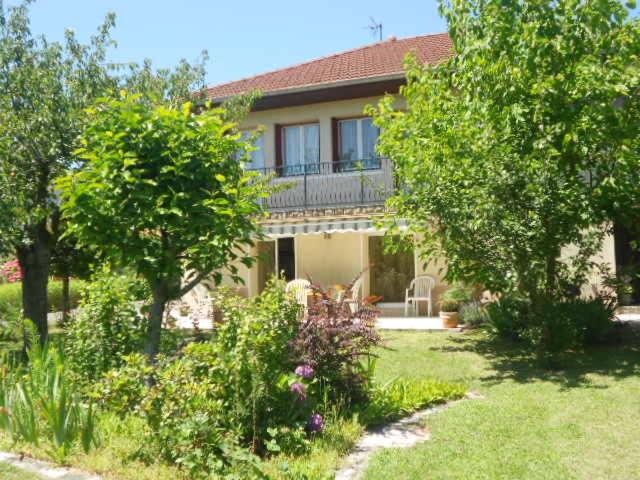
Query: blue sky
{"points": [[242, 37]]}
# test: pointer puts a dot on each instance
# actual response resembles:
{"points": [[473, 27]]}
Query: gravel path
{"points": [[401, 434], [43, 469]]}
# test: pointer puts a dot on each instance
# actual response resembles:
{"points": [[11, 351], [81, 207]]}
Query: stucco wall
{"points": [[329, 259], [320, 112]]}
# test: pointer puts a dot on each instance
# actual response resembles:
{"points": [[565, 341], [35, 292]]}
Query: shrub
{"points": [[10, 271], [107, 327], [221, 399], [554, 326], [38, 401], [508, 316], [11, 295], [123, 389], [473, 314], [335, 341]]}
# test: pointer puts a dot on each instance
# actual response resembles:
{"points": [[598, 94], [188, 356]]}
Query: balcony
{"points": [[330, 184]]}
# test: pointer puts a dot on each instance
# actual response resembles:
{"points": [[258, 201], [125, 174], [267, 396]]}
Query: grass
{"points": [[7, 472], [580, 422]]}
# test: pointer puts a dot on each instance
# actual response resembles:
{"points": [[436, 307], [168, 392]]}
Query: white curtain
{"points": [[349, 140], [311, 144], [256, 156], [292, 154], [370, 134]]}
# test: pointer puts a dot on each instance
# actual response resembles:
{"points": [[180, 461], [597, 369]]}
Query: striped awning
{"points": [[320, 227]]}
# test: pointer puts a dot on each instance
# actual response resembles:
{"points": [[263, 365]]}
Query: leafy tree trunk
{"points": [[160, 297], [66, 302], [34, 260]]}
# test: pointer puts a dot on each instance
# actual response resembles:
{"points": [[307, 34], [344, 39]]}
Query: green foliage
{"points": [[37, 402], [178, 206], [449, 306], [44, 86], [221, 398], [522, 144], [553, 327], [508, 316], [11, 295], [107, 327], [122, 389], [401, 397], [473, 314]]}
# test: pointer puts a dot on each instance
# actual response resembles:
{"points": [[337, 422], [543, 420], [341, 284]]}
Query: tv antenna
{"points": [[375, 28]]}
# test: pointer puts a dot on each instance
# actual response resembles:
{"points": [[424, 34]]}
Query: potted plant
{"points": [[449, 313]]}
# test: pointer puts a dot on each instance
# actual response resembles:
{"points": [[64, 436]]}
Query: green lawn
{"points": [[581, 422], [7, 472]]}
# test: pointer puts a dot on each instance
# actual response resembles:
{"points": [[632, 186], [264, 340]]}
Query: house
{"points": [[317, 141]]}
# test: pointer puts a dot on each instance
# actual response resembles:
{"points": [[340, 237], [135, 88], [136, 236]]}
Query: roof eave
{"points": [[319, 86]]}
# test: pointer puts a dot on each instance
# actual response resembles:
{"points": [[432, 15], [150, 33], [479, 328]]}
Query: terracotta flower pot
{"points": [[449, 319]]}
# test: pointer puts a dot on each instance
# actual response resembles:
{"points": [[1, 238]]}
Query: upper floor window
{"points": [[256, 156], [301, 149], [357, 143]]}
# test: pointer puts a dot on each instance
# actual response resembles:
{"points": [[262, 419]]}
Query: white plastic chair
{"points": [[300, 288], [419, 290], [354, 295]]}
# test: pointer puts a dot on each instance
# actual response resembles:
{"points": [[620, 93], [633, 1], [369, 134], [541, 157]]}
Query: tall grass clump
{"points": [[40, 406]]}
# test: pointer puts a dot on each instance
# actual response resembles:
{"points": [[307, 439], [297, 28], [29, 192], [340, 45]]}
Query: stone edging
{"points": [[401, 434], [44, 469]]}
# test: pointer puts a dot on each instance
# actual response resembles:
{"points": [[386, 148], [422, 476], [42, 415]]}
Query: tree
{"points": [[516, 152], [43, 89], [162, 191]]}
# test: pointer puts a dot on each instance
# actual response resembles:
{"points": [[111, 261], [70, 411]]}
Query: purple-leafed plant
{"points": [[335, 341]]}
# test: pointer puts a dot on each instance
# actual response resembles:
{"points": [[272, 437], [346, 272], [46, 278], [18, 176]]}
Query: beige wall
{"points": [[331, 259], [317, 112]]}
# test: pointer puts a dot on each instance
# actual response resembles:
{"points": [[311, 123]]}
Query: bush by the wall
{"points": [[554, 326], [473, 314], [508, 317]]}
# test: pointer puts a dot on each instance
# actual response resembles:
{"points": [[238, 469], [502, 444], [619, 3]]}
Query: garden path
{"points": [[44, 470], [401, 434]]}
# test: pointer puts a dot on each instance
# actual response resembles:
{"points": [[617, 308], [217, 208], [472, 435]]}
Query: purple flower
{"points": [[305, 371], [316, 423], [300, 390]]}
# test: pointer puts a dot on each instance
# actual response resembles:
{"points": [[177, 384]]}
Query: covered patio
{"points": [[333, 252]]}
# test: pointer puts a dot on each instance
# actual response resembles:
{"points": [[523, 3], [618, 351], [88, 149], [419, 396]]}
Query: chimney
{"points": [[392, 38]]}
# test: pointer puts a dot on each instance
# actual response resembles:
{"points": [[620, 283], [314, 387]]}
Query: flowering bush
{"points": [[332, 343], [11, 271]]}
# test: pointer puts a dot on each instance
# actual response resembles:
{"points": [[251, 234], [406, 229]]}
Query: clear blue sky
{"points": [[242, 37]]}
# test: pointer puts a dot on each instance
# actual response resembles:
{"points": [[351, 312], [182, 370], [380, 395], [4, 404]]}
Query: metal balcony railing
{"points": [[347, 183]]}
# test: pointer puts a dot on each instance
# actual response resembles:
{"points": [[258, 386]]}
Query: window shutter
{"points": [[335, 144], [279, 158]]}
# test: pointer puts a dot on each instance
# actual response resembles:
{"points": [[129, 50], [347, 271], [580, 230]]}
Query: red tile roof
{"points": [[380, 59]]}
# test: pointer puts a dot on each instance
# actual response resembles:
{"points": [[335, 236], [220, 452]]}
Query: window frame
{"points": [[302, 168], [344, 164]]}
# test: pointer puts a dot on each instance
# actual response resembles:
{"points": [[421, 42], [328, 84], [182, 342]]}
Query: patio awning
{"points": [[316, 228]]}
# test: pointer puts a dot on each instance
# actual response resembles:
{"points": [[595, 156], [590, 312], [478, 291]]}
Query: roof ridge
{"points": [[325, 57]]}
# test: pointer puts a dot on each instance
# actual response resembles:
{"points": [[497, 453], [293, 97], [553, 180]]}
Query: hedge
{"points": [[11, 295]]}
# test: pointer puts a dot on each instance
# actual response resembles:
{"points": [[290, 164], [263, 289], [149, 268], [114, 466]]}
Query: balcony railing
{"points": [[331, 184]]}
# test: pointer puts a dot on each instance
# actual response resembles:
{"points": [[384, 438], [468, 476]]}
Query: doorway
{"points": [[391, 272], [286, 258], [276, 256]]}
